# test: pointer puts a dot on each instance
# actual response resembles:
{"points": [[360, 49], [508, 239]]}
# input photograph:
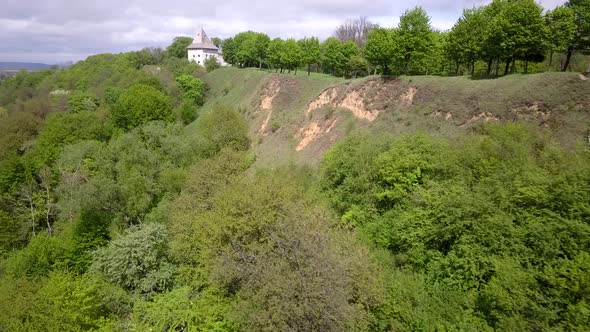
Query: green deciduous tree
{"points": [[380, 48], [138, 260], [291, 56], [581, 40], [310, 50], [178, 47], [141, 104], [274, 53], [332, 57], [561, 30], [415, 37], [466, 39]]}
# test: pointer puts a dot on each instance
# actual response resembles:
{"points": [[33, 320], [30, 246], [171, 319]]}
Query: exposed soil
{"points": [[270, 92], [314, 131], [367, 99], [483, 116]]}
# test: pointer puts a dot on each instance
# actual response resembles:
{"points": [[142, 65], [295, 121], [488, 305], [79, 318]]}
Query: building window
{"points": [[199, 55], [199, 61], [193, 55]]}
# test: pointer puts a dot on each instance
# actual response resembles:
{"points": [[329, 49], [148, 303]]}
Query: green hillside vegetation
{"points": [[139, 192]]}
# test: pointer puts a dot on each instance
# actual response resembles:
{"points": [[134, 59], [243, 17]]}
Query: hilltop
{"points": [[297, 118], [23, 65]]}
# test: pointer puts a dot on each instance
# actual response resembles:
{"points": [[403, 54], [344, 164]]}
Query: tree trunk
{"points": [[513, 69], [507, 66], [568, 58], [526, 66], [295, 71], [489, 67], [496, 66], [550, 59], [308, 69], [457, 69], [472, 68]]}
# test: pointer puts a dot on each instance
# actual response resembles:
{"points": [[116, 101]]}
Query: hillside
{"points": [[23, 65], [160, 197], [297, 118]]}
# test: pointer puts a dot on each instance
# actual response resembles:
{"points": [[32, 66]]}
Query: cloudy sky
{"points": [[54, 31]]}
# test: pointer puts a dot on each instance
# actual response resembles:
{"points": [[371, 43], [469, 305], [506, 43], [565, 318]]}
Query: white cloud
{"points": [[60, 30]]}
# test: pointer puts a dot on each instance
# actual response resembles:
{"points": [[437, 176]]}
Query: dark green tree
{"points": [[178, 47], [310, 50], [414, 37], [141, 104]]}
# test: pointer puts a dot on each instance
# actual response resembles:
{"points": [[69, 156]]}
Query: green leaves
{"points": [[138, 260], [178, 47], [502, 217], [141, 104], [380, 48]]}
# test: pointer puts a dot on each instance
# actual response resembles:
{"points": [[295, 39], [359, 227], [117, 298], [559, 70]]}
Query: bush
{"points": [[222, 127], [211, 64], [141, 104], [192, 87], [137, 261]]}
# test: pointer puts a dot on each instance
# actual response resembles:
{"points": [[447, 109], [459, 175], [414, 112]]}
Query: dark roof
{"points": [[202, 42]]}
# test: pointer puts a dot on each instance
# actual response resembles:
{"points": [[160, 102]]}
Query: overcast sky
{"points": [[53, 31]]}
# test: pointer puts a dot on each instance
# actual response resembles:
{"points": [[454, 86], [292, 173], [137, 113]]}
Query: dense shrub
{"points": [[141, 104]]}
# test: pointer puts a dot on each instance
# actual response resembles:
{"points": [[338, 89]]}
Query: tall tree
{"points": [[274, 52], [332, 57], [581, 40], [415, 36], [178, 47], [561, 30], [517, 32], [380, 48], [229, 51], [466, 38], [291, 55], [349, 50], [262, 41], [310, 49]]}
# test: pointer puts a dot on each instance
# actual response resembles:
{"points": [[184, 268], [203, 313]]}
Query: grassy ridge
{"points": [[557, 103]]}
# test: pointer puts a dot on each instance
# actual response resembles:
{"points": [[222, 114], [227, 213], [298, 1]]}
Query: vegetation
{"points": [[115, 216], [499, 38]]}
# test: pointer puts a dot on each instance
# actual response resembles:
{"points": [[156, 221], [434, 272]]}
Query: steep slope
{"points": [[296, 118]]}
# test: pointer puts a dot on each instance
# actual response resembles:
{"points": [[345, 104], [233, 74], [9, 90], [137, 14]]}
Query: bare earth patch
{"points": [[271, 91], [441, 114], [367, 99], [407, 99], [483, 116], [532, 111], [314, 131]]}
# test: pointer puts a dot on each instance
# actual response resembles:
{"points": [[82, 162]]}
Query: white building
{"points": [[202, 48]]}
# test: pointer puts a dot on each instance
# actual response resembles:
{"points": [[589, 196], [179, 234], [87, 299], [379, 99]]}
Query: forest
{"points": [[116, 215]]}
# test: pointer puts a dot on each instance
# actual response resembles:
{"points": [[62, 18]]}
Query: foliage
{"points": [[178, 47], [183, 309], [192, 87], [380, 48], [211, 64], [141, 104], [82, 102], [469, 217], [222, 127], [137, 261], [414, 37]]}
